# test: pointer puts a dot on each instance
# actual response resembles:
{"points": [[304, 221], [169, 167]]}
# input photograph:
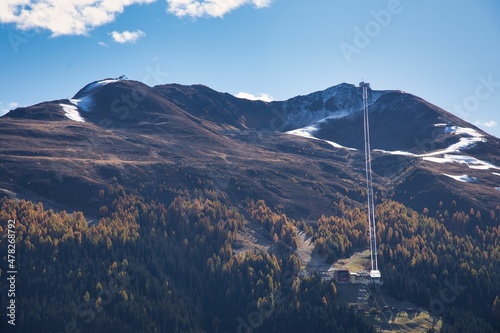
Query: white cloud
{"points": [[489, 124], [103, 44], [261, 97], [78, 17], [127, 36], [215, 8], [63, 17], [5, 108]]}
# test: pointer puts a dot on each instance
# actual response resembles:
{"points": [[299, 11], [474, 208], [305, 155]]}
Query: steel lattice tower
{"points": [[374, 273]]}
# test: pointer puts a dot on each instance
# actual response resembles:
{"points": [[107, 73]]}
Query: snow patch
{"points": [[71, 111], [335, 145], [337, 115], [449, 155], [471, 162], [308, 132], [470, 131], [472, 137], [305, 132], [86, 102], [447, 127], [97, 84], [464, 142], [462, 178], [497, 188], [496, 173], [397, 152], [469, 137], [347, 100]]}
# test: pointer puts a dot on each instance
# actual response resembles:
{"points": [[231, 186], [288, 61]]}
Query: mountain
{"points": [[302, 155], [145, 204]]}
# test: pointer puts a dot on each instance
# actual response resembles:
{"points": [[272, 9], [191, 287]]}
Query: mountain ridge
{"points": [[127, 129]]}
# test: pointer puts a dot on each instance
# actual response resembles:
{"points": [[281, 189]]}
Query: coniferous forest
{"points": [[177, 265]]}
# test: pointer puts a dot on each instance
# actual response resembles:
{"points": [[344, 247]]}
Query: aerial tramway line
{"points": [[374, 272]]}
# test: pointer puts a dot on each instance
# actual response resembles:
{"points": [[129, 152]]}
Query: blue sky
{"points": [[447, 52]]}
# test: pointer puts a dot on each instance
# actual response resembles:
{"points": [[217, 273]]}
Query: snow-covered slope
{"points": [[305, 114], [308, 132], [333, 103], [83, 99], [71, 112], [462, 178], [468, 137]]}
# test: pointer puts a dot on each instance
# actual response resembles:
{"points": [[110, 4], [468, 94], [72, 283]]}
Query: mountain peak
{"points": [[93, 86], [150, 128]]}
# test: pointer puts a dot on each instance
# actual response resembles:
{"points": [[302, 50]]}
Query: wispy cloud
{"points": [[103, 44], [126, 36], [260, 97], [75, 17], [489, 124], [214, 8], [6, 107]]}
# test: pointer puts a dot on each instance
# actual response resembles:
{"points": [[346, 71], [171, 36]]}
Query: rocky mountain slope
{"points": [[303, 155]]}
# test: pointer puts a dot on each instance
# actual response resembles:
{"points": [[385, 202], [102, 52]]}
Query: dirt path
{"points": [[251, 238], [304, 249]]}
